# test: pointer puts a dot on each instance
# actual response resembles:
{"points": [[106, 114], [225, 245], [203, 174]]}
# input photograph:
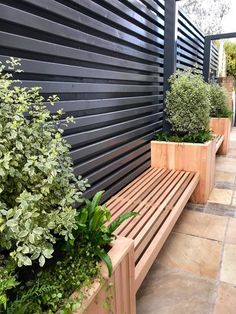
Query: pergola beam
{"points": [[207, 51]]}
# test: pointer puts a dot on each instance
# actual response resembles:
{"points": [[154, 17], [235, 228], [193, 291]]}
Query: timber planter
{"points": [[221, 126], [189, 157], [118, 290]]}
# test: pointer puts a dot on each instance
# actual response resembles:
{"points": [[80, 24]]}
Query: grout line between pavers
{"points": [[217, 282]]}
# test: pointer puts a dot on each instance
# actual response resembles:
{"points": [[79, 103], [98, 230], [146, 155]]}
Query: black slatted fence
{"points": [[190, 46], [105, 61]]}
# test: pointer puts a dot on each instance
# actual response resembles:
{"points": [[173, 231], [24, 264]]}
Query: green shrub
{"points": [[199, 137], [187, 103], [219, 102], [38, 189]]}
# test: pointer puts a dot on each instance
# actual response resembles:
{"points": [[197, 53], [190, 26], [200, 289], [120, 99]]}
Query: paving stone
{"points": [[222, 176], [189, 253], [226, 299], [202, 225], [221, 196], [228, 268], [231, 231], [167, 291]]}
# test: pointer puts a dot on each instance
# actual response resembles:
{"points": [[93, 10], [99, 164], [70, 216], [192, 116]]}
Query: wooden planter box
{"points": [[189, 157], [222, 126], [121, 293]]}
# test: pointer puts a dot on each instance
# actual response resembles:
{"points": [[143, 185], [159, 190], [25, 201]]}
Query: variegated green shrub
{"points": [[219, 102], [188, 103], [38, 189]]}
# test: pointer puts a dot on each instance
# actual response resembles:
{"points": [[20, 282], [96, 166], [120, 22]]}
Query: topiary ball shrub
{"points": [[188, 103], [38, 189], [219, 102]]}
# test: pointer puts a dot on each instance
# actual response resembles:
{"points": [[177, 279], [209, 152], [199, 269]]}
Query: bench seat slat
{"points": [[158, 199], [141, 203], [121, 201]]}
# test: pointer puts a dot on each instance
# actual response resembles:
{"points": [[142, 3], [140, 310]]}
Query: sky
{"points": [[229, 21]]}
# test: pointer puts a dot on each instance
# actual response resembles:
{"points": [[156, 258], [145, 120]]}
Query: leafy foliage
{"points": [[219, 102], [187, 103], [200, 137], [38, 188], [230, 50], [38, 217], [94, 228], [49, 292]]}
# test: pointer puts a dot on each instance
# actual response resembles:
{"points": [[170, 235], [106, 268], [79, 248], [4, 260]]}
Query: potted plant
{"points": [[189, 145], [220, 121], [49, 248]]}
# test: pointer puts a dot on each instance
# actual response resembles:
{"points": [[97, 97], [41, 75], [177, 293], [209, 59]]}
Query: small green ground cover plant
{"points": [[48, 247], [219, 102], [187, 108]]}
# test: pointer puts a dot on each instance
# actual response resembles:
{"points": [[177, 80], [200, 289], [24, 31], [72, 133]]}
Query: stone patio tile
{"points": [[226, 299], [222, 176], [166, 291], [225, 164], [234, 200], [228, 268], [221, 196], [202, 225], [221, 210], [196, 255], [231, 232]]}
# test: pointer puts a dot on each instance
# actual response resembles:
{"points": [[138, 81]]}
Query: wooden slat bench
{"points": [[219, 140], [159, 196]]}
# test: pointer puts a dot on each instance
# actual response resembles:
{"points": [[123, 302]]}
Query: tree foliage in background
{"points": [[207, 15], [230, 50]]}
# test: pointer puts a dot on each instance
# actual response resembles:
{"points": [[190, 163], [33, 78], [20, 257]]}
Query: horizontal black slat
{"points": [[118, 163], [99, 161], [44, 25], [182, 21], [189, 49], [105, 145], [52, 69], [55, 50], [77, 17], [106, 117], [87, 137], [71, 87], [190, 42], [104, 184], [96, 104]]}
